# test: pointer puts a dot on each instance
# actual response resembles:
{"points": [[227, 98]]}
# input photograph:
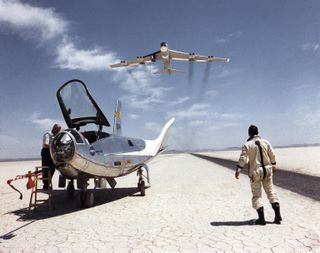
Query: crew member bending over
{"points": [[45, 154]]}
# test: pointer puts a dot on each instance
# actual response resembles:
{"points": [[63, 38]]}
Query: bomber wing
{"points": [[139, 60], [125, 63], [182, 56], [152, 57]]}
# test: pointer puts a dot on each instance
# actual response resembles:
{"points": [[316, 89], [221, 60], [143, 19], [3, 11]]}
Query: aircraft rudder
{"points": [[117, 127], [163, 137]]}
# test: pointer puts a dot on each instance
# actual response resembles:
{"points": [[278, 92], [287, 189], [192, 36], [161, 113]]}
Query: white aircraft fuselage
{"points": [[82, 155]]}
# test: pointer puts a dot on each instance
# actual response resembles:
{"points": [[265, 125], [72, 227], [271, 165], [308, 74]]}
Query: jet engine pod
{"points": [[140, 59], [191, 56], [63, 147]]}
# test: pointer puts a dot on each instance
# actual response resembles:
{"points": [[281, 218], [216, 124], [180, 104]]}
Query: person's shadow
{"points": [[234, 223]]}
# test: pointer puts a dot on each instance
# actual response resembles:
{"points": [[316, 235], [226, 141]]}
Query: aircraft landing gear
{"points": [[62, 181], [141, 184], [142, 187], [87, 198], [70, 189]]}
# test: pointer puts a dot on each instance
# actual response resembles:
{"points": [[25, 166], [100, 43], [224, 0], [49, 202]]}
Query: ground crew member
{"points": [[46, 159], [261, 158]]}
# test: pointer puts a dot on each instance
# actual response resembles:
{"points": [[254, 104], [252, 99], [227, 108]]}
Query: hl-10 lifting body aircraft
{"points": [[82, 155], [166, 55]]}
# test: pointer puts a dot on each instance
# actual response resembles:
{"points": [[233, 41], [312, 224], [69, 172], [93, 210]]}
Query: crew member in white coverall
{"points": [[45, 155], [260, 171]]}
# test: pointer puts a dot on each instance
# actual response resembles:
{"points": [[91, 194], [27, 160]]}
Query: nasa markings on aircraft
{"points": [[81, 155], [166, 55]]}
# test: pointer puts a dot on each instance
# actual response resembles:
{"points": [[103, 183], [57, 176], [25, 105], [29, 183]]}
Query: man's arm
{"points": [[46, 140], [237, 174], [242, 160], [272, 157]]}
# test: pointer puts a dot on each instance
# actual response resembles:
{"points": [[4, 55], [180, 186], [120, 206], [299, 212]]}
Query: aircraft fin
{"points": [[160, 143], [117, 128]]}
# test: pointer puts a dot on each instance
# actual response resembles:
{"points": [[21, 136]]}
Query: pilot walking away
{"points": [[46, 159], [261, 166]]}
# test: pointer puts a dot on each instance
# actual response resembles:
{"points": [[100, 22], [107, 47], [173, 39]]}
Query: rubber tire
{"points": [[88, 199], [142, 188], [62, 181], [70, 190], [82, 198]]}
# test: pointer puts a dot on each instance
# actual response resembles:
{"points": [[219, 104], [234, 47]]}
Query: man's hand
{"points": [[237, 174]]}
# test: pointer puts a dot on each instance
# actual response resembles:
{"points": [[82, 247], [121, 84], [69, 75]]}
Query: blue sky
{"points": [[272, 79]]}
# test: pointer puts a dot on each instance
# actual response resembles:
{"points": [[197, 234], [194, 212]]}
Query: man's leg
{"points": [[257, 200], [277, 215], [45, 174], [45, 160], [273, 198], [52, 170]]}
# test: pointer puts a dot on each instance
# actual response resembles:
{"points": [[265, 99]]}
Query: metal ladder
{"points": [[34, 200]]}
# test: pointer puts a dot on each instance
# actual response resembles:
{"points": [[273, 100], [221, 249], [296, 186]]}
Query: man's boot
{"points": [[261, 220], [277, 217]]}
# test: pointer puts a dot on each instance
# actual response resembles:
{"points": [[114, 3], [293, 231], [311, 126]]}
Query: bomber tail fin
{"points": [[117, 128]]}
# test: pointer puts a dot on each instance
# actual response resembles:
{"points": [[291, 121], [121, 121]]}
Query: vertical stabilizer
{"points": [[154, 147], [117, 128]]}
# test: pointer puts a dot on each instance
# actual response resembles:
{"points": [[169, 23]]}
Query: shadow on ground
{"points": [[236, 223], [61, 204], [232, 223], [303, 184]]}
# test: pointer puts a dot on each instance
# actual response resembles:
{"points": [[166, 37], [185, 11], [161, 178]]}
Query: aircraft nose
{"points": [[62, 147]]}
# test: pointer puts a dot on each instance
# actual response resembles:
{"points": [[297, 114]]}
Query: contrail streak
{"points": [[205, 80], [190, 76]]}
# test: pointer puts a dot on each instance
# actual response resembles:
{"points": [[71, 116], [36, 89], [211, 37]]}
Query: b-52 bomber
{"points": [[166, 55], [80, 155]]}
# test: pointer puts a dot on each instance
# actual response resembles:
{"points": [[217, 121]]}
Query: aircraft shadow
{"points": [[61, 204], [306, 185]]}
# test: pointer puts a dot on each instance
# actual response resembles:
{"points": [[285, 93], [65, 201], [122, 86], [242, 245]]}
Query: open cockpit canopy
{"points": [[78, 107]]}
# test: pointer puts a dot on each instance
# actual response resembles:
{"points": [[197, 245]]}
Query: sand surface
{"points": [[193, 205]]}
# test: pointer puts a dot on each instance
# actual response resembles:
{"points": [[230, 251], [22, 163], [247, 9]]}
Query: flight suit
{"points": [[258, 177]]}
